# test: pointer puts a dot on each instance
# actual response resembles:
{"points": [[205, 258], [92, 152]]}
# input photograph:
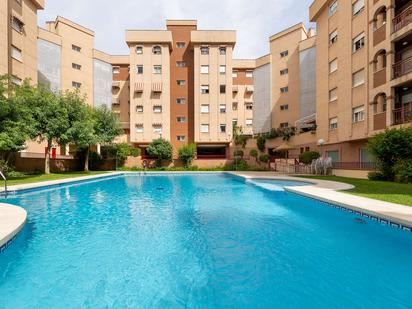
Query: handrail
{"points": [[402, 19], [5, 181], [402, 67]]}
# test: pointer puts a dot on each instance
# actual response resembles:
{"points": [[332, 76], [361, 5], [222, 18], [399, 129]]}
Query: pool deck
{"points": [[13, 218]]}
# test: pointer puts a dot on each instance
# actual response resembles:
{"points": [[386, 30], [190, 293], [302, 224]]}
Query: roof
{"points": [[72, 24], [181, 22], [299, 26]]}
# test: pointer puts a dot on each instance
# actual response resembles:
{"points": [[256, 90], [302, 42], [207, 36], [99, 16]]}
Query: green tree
{"points": [[160, 149], [121, 151], [187, 154], [261, 142], [254, 154]]}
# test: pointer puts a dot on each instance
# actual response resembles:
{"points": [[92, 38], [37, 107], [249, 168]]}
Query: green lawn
{"points": [[43, 177], [399, 193]]}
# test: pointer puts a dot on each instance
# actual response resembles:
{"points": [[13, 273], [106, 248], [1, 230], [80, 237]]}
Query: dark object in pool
{"points": [[159, 188], [360, 221]]}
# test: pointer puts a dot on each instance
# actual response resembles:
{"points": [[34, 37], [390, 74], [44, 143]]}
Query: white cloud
{"points": [[254, 21]]}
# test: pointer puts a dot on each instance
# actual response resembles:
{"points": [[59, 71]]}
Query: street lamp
{"points": [[321, 142]]}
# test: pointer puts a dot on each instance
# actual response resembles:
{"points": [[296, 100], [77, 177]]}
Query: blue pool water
{"points": [[199, 241]]}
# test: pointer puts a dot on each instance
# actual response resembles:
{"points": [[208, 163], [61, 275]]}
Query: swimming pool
{"points": [[198, 241]]}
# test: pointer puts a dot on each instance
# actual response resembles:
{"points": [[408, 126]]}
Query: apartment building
{"points": [[262, 103], [243, 91], [18, 39]]}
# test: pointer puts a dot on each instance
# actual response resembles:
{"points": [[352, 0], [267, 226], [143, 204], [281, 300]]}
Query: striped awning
{"points": [[157, 87], [138, 87]]}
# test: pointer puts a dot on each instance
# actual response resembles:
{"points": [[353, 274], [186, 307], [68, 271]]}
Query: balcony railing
{"points": [[379, 78], [402, 67], [402, 115], [402, 19], [354, 165], [379, 121]]}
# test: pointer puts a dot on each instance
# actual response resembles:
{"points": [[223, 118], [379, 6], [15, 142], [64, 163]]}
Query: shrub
{"points": [[254, 154], [95, 160], [390, 147], [261, 142], [376, 176], [238, 153], [403, 170], [237, 165], [264, 158], [308, 156], [187, 154], [160, 149]]}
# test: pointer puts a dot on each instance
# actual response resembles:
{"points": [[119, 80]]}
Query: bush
{"points": [[376, 176], [261, 142], [390, 147], [238, 153], [264, 158], [237, 165], [187, 154], [403, 170], [308, 156], [254, 154], [160, 149]]}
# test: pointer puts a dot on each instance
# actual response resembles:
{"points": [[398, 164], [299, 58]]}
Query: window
{"points": [[249, 122], [157, 69], [333, 37], [284, 125], [222, 50], [16, 53], [181, 101], [333, 65], [333, 154], [284, 89], [76, 66], [249, 74], [222, 128], [116, 70], [234, 106], [139, 108], [204, 69], [222, 108], [358, 78], [358, 6], [139, 128], [204, 89], [284, 107], [333, 94], [157, 128], [204, 128], [234, 122], [181, 64], [358, 113], [284, 54], [333, 123], [204, 50], [76, 48], [222, 88], [333, 8], [139, 50], [181, 138], [234, 74], [157, 109], [181, 119], [76, 85], [181, 82], [139, 69], [180, 44], [249, 106], [204, 108], [17, 24], [284, 71], [157, 50], [16, 81], [358, 42], [222, 69]]}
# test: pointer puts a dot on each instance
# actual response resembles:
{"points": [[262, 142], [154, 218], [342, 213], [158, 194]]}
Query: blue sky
{"points": [[254, 20]]}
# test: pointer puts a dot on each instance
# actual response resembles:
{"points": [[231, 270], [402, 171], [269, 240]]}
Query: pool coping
{"points": [[12, 220], [327, 191]]}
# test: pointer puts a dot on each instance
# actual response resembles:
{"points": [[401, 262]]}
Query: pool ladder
{"points": [[5, 182]]}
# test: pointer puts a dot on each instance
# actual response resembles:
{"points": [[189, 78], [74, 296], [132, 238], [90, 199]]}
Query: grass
{"points": [[393, 192], [32, 178]]}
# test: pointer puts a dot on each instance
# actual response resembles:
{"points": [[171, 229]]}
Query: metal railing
{"points": [[402, 67], [402, 19], [5, 181], [354, 165], [402, 115]]}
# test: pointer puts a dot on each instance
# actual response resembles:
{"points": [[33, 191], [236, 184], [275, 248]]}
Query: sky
{"points": [[254, 20]]}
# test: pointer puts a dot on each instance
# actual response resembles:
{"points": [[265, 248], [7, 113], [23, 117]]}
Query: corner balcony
{"points": [[402, 67], [402, 114], [402, 19]]}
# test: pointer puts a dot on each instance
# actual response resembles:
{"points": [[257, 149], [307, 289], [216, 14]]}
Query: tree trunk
{"points": [[47, 159], [86, 159]]}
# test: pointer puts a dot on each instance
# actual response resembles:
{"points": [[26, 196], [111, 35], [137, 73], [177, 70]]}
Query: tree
{"points": [[160, 149], [261, 142], [187, 154], [50, 118], [390, 147], [16, 123], [121, 151], [254, 154], [308, 156]]}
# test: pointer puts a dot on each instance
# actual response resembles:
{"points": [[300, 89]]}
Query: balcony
{"points": [[379, 35], [116, 101], [402, 19], [402, 67], [402, 115], [379, 77], [116, 85], [379, 121]]}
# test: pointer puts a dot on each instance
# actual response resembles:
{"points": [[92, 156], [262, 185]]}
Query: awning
{"points": [[285, 146], [157, 87], [116, 84], [116, 101], [235, 88], [250, 88], [138, 87]]}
